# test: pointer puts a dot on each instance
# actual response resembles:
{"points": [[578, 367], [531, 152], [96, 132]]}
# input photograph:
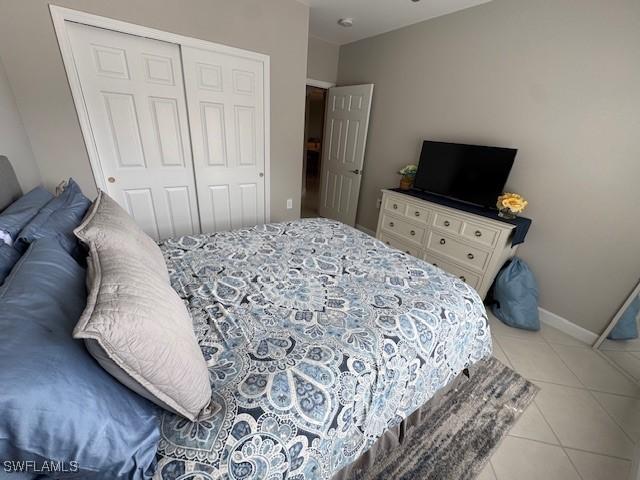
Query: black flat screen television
{"points": [[470, 173]]}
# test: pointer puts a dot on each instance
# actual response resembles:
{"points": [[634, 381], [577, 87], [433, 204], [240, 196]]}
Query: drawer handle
{"points": [[412, 232], [442, 241], [478, 233], [470, 256], [463, 278], [391, 224], [447, 223], [395, 206], [417, 214]]}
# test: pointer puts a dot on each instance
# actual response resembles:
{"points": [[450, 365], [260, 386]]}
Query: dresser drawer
{"points": [[395, 243], [409, 210], [417, 213], [401, 228], [471, 278], [458, 251], [480, 233], [447, 222], [395, 205]]}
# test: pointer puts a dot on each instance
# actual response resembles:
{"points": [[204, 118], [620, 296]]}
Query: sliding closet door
{"points": [[225, 98], [134, 94]]}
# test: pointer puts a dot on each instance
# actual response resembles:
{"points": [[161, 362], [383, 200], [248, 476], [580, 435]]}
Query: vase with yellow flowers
{"points": [[510, 205], [408, 174]]}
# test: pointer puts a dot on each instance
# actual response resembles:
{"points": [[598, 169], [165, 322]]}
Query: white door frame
{"points": [[60, 15], [320, 83]]}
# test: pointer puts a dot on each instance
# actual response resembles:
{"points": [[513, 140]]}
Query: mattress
{"points": [[318, 338]]}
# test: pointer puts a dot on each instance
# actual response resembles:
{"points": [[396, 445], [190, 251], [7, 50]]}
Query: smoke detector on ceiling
{"points": [[346, 22]]}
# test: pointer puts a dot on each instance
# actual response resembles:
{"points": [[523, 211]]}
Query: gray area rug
{"points": [[462, 430]]}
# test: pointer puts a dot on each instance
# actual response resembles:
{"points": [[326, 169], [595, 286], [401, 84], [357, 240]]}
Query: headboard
{"points": [[9, 186]]}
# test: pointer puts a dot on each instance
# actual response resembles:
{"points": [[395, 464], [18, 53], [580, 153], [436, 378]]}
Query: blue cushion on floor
{"points": [[627, 326], [17, 215], [59, 217], [516, 295], [57, 403]]}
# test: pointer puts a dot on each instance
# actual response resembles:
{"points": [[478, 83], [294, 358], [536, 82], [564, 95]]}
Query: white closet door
{"points": [[225, 98], [134, 93]]}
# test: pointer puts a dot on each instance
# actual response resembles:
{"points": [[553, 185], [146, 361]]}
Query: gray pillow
{"points": [[135, 325], [107, 224]]}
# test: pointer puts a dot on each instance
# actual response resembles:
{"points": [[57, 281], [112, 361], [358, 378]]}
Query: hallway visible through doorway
{"points": [[312, 156]]}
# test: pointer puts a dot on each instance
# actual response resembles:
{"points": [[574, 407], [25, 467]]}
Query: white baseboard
{"points": [[366, 230], [567, 327]]}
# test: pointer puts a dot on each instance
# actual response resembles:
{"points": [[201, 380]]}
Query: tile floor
{"points": [[584, 421]]}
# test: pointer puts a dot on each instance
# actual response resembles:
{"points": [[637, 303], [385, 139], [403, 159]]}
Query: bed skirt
{"points": [[398, 435]]}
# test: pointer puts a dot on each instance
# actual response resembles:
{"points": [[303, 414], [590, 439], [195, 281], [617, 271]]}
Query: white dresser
{"points": [[469, 246]]}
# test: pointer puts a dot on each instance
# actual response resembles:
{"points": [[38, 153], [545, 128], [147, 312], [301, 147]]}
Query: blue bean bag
{"points": [[627, 327], [516, 295]]}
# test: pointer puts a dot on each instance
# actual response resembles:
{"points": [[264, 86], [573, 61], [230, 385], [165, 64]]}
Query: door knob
{"points": [[261, 174], [356, 171], [111, 180]]}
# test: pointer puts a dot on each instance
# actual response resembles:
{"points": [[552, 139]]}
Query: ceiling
{"points": [[372, 17]]}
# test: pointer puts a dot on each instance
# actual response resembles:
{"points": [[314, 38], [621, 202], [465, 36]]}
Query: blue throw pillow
{"points": [[8, 258], [17, 215], [57, 403], [60, 216]]}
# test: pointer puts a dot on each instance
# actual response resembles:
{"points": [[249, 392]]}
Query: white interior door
{"points": [[134, 94], [226, 103], [345, 137]]}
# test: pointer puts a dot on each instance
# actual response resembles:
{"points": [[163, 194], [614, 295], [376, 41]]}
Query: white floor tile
{"points": [[500, 330], [622, 345], [625, 411], [580, 422], [533, 426], [594, 371], [518, 458], [499, 353], [486, 473], [627, 361], [537, 361], [598, 467], [553, 335]]}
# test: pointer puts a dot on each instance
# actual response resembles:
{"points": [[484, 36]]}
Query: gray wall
{"points": [[322, 60], [13, 138], [278, 28], [558, 79]]}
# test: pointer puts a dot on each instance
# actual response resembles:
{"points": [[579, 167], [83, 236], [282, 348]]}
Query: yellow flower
{"points": [[511, 201]]}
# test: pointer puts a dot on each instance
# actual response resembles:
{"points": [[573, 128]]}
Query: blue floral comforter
{"points": [[318, 339]]}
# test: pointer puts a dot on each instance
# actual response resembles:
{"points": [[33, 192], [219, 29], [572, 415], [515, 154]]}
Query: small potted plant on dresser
{"points": [[408, 175]]}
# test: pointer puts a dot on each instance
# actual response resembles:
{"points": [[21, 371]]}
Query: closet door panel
{"points": [[225, 99], [134, 93]]}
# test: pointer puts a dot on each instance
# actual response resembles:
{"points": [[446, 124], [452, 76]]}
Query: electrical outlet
{"points": [[378, 203], [289, 203]]}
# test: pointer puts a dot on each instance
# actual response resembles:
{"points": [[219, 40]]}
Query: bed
{"points": [[322, 346], [319, 339]]}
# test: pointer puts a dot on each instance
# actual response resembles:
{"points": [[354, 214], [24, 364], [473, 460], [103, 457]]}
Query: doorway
{"points": [[312, 154]]}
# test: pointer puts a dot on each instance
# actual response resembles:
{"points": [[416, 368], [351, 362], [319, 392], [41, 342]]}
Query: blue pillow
{"points": [[60, 216], [8, 258], [57, 403], [19, 213]]}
